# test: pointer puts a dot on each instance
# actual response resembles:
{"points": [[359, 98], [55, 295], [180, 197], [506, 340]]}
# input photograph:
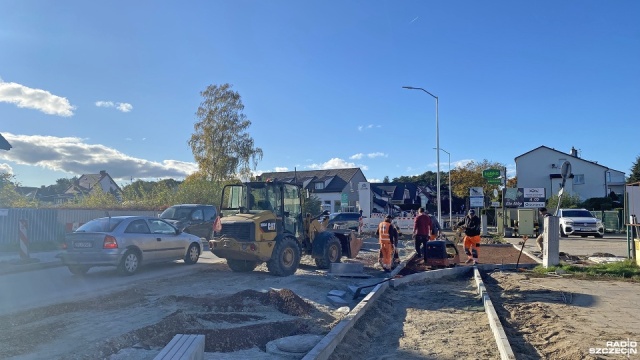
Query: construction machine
{"points": [[262, 221]]}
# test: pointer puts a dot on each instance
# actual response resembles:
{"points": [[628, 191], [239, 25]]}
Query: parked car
{"points": [[126, 242], [344, 220], [196, 219], [579, 222]]}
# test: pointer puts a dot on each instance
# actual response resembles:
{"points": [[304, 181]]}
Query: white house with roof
{"points": [[88, 183], [337, 189], [540, 168]]}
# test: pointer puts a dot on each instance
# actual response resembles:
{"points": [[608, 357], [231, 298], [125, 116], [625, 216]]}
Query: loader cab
{"points": [[282, 200]]}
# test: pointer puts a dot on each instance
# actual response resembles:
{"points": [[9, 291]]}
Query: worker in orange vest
{"points": [[471, 224], [386, 231]]}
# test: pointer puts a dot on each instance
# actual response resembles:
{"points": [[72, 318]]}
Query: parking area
{"points": [[614, 244]]}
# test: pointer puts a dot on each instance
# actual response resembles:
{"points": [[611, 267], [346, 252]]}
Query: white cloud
{"points": [[73, 155], [367, 127], [105, 104], [376, 154], [336, 163], [6, 168], [374, 180], [124, 107], [281, 169], [42, 100]]}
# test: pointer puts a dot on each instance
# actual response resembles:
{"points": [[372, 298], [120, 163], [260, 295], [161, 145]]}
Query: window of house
{"points": [[578, 179], [318, 186]]}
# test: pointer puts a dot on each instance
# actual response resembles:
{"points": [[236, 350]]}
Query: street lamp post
{"points": [[450, 199], [437, 146]]}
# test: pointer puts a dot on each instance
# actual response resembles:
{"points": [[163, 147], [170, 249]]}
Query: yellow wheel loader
{"points": [[263, 222]]}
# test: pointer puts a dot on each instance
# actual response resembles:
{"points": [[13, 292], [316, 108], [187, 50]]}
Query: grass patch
{"points": [[626, 269]]}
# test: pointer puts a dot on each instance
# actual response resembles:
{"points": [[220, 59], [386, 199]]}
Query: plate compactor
{"points": [[441, 254]]}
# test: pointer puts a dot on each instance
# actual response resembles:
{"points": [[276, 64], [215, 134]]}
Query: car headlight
{"points": [[568, 222], [598, 222]]}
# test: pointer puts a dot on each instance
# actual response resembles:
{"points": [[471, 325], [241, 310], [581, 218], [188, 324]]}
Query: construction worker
{"points": [[421, 232], [386, 232], [471, 243]]}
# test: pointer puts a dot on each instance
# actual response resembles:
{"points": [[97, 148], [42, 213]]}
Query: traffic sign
{"points": [[494, 181], [491, 173], [476, 201]]}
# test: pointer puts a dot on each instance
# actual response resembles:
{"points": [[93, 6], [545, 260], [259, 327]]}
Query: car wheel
{"points": [[599, 236], [241, 265], [332, 253], [584, 235], [285, 257], [562, 233], [193, 254], [78, 269], [130, 262]]}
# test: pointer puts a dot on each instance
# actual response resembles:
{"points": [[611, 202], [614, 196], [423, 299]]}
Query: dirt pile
{"points": [[283, 300]]}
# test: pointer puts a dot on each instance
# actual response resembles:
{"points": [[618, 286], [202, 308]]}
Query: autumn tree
{"points": [[196, 189], [9, 197], [428, 178], [470, 175], [634, 177], [220, 144], [312, 205]]}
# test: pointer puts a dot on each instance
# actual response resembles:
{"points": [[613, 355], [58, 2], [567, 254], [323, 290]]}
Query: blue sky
{"points": [[89, 86]]}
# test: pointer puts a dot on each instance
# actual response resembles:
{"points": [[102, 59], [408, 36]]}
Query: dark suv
{"points": [[345, 220], [196, 219]]}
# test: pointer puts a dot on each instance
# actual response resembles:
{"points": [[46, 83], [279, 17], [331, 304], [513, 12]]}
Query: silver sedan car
{"points": [[126, 242]]}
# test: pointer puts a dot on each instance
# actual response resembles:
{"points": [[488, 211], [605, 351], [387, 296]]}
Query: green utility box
{"points": [[526, 220], [499, 221]]}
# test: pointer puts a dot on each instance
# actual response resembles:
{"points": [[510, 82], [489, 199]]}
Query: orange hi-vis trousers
{"points": [[471, 245], [386, 248]]}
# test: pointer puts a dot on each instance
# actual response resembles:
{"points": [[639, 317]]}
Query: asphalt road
{"points": [[615, 244], [30, 289]]}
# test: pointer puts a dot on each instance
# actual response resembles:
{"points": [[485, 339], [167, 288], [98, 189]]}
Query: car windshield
{"points": [[176, 213], [576, 213], [100, 225]]}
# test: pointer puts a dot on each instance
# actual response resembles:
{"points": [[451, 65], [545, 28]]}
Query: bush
{"points": [[605, 203]]}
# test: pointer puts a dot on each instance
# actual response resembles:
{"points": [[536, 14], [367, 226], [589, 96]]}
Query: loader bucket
{"points": [[355, 244]]}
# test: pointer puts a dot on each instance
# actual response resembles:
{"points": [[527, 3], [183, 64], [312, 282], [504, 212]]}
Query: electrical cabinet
{"points": [[526, 220]]}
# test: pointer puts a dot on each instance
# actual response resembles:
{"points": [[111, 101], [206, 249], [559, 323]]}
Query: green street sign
{"points": [[494, 181], [491, 173]]}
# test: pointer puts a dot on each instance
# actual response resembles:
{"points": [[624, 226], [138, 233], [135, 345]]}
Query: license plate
{"points": [[82, 244]]}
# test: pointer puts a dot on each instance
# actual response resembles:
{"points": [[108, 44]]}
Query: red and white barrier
{"points": [[24, 240]]}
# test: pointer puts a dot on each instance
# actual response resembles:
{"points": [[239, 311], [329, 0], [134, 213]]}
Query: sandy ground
{"points": [[240, 312], [562, 318], [441, 319]]}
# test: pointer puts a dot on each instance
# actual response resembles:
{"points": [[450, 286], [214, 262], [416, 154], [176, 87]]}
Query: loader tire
{"points": [[285, 257], [241, 265], [332, 253]]}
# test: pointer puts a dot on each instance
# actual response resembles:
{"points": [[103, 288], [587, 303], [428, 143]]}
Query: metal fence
{"points": [[612, 220], [50, 225]]}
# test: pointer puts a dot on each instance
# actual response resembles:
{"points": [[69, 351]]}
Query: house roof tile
{"points": [[338, 178]]}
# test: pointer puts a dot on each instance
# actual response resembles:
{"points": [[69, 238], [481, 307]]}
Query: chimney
{"points": [[103, 173], [574, 152]]}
